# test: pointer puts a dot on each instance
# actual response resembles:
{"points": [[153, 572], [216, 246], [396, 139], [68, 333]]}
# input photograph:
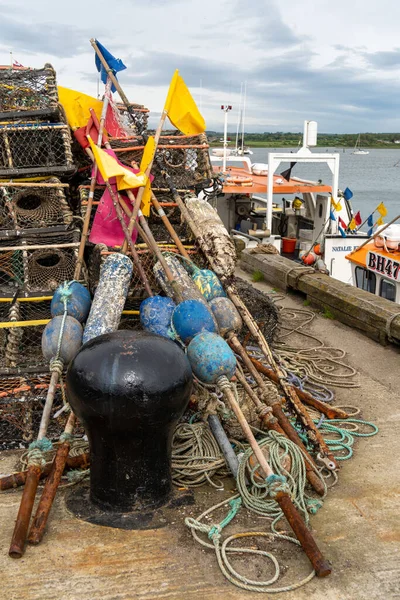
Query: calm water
{"points": [[373, 177]]}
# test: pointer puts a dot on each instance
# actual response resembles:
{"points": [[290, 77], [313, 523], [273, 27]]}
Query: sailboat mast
{"points": [[244, 112], [239, 117]]}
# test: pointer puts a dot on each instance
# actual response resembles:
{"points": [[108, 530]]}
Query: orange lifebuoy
{"points": [[239, 180]]}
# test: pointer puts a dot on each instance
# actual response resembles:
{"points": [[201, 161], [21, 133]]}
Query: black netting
{"points": [[186, 158], [30, 91], [35, 149], [33, 205], [38, 270]]}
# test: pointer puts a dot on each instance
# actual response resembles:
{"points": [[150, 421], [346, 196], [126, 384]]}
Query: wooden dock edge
{"points": [[375, 317]]}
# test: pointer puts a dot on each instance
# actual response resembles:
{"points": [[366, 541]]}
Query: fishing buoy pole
{"points": [[268, 409], [61, 340], [104, 317], [213, 362]]}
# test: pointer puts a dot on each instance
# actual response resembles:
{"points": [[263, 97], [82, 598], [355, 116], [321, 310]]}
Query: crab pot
{"points": [[78, 301], [155, 315], [129, 389], [110, 296], [71, 339], [210, 357], [190, 318], [226, 315]]}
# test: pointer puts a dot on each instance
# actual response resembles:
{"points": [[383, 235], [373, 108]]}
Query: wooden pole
{"points": [[86, 223], [32, 480], [321, 566]]}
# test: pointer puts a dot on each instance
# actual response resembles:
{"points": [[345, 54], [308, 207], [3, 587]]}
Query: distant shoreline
{"points": [[294, 145]]}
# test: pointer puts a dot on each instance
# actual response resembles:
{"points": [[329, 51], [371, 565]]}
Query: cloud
{"points": [[383, 59], [54, 39]]}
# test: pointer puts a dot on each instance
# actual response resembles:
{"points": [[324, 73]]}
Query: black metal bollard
{"points": [[129, 389]]}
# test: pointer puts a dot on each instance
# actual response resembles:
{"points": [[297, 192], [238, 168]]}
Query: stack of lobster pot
{"points": [[38, 236]]}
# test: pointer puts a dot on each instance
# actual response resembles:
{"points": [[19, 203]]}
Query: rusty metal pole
{"points": [[320, 564]]}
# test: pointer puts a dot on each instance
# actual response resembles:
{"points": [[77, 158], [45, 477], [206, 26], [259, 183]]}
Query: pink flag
{"points": [[106, 228]]}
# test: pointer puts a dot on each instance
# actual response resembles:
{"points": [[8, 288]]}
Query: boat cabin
{"points": [[376, 266]]}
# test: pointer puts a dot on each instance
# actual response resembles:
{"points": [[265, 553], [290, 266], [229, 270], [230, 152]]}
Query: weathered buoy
{"points": [[155, 315], [190, 318], [318, 249], [308, 258], [227, 316], [188, 288], [129, 388], [77, 298], [110, 296], [210, 357], [71, 339], [208, 284]]}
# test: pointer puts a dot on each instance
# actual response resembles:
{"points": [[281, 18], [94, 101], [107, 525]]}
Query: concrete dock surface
{"points": [[358, 528]]}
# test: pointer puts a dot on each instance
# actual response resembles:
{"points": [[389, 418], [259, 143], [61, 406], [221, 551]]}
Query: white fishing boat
{"points": [[293, 214], [357, 147]]}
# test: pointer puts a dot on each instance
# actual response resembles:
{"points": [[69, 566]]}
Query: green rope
{"points": [[345, 437], [258, 497]]}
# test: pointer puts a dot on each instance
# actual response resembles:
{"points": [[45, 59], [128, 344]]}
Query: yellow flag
{"points": [[336, 205], [352, 225], [181, 108], [382, 210], [77, 106], [380, 221], [146, 199], [148, 154], [109, 167]]}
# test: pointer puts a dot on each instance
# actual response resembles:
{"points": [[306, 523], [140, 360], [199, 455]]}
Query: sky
{"points": [[337, 63]]}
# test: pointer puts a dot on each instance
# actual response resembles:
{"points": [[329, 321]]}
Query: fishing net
{"points": [[35, 149], [33, 205], [38, 270], [132, 122], [262, 309], [22, 400], [20, 345], [186, 158], [28, 91]]}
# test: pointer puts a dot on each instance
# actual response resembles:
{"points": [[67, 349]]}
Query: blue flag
{"points": [[370, 231], [115, 64], [371, 220], [342, 232], [347, 194], [332, 216]]}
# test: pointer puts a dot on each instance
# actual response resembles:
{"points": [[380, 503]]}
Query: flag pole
{"points": [[375, 234], [363, 223]]}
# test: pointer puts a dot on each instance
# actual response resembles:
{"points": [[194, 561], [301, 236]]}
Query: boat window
{"points": [[365, 280], [388, 290]]}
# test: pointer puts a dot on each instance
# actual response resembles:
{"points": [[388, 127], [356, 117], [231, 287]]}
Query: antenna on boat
{"points": [[226, 108], [201, 96], [310, 134]]}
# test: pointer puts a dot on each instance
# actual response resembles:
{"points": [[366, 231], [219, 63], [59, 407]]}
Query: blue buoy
{"points": [[71, 339], [226, 315], [210, 357], [208, 283], [155, 315], [192, 317], [78, 300]]}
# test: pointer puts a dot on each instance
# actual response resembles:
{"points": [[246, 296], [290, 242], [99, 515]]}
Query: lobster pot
{"points": [[35, 149], [186, 158], [29, 207], [83, 192], [37, 270], [110, 296], [132, 123], [28, 93], [22, 322], [214, 239]]}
